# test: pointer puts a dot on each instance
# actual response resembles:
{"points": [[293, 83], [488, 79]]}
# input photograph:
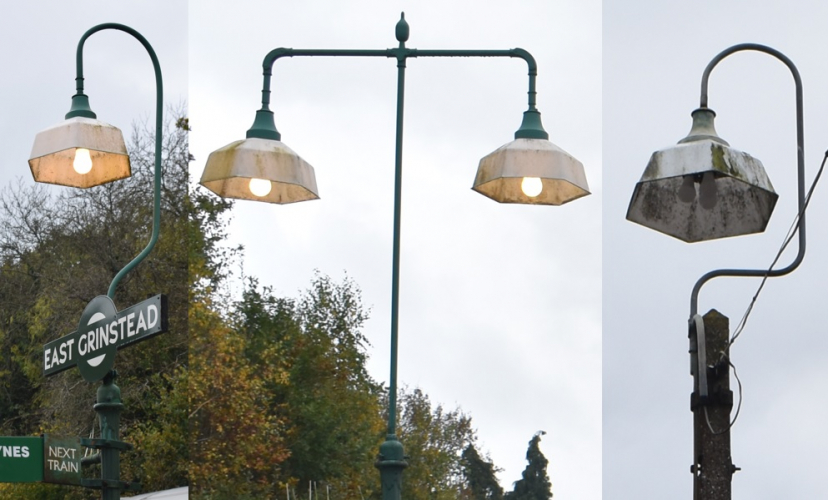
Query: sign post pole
{"points": [[109, 409]]}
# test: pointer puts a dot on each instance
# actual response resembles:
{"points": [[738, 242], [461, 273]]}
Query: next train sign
{"points": [[103, 330]]}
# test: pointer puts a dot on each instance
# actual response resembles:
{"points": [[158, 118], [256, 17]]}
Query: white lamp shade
{"points": [[743, 195], [53, 153], [500, 174], [229, 170]]}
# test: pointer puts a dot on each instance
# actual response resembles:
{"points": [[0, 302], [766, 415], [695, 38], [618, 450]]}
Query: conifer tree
{"points": [[481, 482], [535, 483]]}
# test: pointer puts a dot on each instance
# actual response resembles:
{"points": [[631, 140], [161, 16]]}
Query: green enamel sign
{"points": [[21, 459], [101, 331], [62, 460]]}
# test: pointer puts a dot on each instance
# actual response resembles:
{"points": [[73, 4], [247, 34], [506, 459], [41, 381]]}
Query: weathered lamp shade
{"points": [[702, 189], [531, 170], [53, 159], [229, 172]]}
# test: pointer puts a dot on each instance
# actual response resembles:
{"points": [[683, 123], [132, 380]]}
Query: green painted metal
{"points": [[80, 107], [264, 127], [391, 460], [108, 408], [80, 100], [62, 460], [109, 395], [101, 331], [21, 459]]}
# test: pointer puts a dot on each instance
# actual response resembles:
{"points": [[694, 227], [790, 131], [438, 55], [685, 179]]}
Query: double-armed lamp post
{"points": [[528, 170], [702, 189], [85, 152]]}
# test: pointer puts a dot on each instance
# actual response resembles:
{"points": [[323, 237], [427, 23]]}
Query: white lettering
{"points": [[142, 325], [152, 315], [61, 452], [121, 324], [58, 355], [69, 344], [14, 451], [103, 337], [130, 331]]}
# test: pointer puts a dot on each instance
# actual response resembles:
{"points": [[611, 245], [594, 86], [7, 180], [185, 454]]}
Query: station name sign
{"points": [[102, 331]]}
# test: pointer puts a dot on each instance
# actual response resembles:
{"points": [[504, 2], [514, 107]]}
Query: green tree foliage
{"points": [[330, 403], [328, 409], [434, 440], [534, 485], [236, 439], [479, 475], [57, 252]]}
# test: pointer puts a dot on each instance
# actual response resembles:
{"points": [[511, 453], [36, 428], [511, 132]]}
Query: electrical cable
{"points": [[741, 326], [791, 233]]}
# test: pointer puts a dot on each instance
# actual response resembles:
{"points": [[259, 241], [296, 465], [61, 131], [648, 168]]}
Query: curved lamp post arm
{"points": [[800, 160], [156, 219]]}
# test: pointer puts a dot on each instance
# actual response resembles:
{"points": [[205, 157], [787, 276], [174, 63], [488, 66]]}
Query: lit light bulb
{"points": [[531, 186], [708, 195], [687, 191], [260, 187], [83, 162]]}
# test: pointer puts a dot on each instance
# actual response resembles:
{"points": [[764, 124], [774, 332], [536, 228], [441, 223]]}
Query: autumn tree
{"points": [[236, 437], [330, 403]]}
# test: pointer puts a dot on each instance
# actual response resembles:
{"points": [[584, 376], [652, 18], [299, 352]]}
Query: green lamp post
{"points": [[85, 152], [702, 189], [528, 170]]}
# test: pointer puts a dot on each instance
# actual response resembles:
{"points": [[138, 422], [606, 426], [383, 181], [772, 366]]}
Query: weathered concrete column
{"points": [[712, 465]]}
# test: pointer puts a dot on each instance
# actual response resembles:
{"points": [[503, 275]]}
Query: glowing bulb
{"points": [[259, 187], [687, 191], [531, 186], [83, 162], [708, 195]]}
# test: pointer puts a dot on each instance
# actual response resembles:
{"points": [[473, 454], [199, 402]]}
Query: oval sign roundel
{"points": [[97, 339]]}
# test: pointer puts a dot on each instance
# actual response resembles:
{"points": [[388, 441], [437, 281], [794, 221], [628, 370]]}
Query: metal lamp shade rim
{"points": [[54, 149], [739, 197], [228, 172], [500, 174]]}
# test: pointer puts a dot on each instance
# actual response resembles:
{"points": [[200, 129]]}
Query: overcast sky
{"points": [[653, 58], [500, 309], [501, 306], [41, 38]]}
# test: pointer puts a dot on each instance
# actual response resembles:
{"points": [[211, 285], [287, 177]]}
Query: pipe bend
{"points": [[526, 56]]}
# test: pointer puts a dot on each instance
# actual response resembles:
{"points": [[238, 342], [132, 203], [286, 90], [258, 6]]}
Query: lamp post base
{"points": [[391, 462]]}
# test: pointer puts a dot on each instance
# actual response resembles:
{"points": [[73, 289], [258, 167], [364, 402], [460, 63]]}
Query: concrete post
{"points": [[712, 465]]}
